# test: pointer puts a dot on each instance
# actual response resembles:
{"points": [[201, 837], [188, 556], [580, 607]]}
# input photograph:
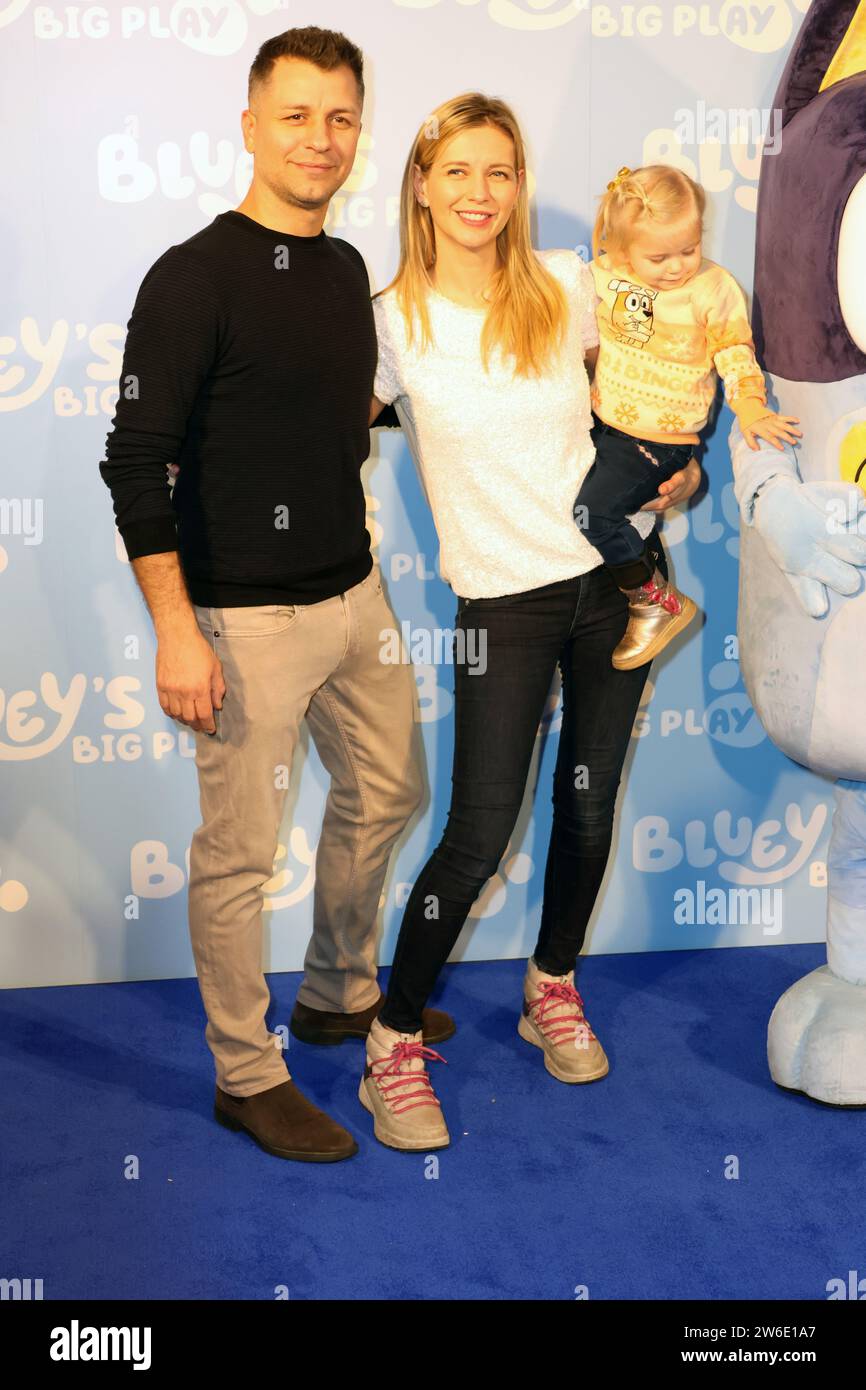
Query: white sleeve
{"points": [[386, 385], [586, 304]]}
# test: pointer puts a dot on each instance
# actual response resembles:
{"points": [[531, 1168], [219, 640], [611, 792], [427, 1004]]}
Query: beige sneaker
{"points": [[553, 1019], [657, 611], [397, 1091]]}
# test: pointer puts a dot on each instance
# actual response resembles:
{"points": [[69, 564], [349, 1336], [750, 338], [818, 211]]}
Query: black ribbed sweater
{"points": [[249, 361]]}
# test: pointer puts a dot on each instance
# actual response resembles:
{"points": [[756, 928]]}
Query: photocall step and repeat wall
{"points": [[122, 137]]}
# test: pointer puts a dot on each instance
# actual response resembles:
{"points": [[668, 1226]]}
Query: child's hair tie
{"points": [[624, 173]]}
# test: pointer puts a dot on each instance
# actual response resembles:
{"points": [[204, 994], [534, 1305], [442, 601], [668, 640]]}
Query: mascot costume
{"points": [[802, 589]]}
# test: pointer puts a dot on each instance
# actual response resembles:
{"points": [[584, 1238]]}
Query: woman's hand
{"points": [[677, 489]]}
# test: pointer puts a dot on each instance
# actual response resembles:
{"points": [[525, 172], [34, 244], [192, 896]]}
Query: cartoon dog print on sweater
{"points": [[632, 312]]}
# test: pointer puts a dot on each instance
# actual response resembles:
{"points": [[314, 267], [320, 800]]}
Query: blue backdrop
{"points": [[127, 139]]}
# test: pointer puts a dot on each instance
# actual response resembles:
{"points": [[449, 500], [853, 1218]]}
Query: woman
{"points": [[482, 344]]}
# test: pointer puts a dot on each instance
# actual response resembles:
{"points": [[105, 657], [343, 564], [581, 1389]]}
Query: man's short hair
{"points": [[325, 48]]}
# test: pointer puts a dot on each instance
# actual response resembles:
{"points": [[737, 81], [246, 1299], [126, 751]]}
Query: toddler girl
{"points": [[668, 321]]}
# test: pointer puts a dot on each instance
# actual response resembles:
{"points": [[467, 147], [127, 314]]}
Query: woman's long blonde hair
{"points": [[528, 311], [655, 193]]}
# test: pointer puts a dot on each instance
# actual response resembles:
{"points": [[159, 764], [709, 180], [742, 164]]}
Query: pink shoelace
{"points": [[662, 594], [559, 992], [406, 1052]]}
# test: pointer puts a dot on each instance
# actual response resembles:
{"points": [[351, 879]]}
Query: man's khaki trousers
{"points": [[282, 664]]}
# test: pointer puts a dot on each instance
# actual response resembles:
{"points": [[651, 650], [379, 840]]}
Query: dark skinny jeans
{"points": [[575, 624]]}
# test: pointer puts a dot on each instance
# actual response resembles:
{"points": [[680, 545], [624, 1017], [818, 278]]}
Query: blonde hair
{"points": [[656, 192], [528, 311]]}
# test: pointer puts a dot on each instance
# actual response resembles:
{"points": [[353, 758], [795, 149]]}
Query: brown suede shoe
{"points": [[284, 1123], [327, 1029]]}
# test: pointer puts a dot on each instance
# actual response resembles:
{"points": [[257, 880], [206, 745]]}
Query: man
{"points": [[249, 364]]}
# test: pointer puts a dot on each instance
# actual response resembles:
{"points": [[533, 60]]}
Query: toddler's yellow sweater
{"points": [[660, 350]]}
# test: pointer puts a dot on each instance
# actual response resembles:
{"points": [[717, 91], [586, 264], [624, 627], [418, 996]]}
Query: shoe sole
{"points": [[332, 1038], [526, 1032], [676, 626], [300, 1155], [816, 1100], [392, 1141]]}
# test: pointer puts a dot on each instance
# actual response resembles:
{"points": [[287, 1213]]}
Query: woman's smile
{"points": [[475, 219]]}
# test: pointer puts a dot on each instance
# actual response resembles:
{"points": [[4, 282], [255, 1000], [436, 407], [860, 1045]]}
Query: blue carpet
{"points": [[618, 1185]]}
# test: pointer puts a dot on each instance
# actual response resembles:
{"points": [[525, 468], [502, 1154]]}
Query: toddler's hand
{"points": [[773, 428]]}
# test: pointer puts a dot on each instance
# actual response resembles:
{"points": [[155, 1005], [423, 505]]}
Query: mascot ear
{"points": [[828, 49], [851, 264]]}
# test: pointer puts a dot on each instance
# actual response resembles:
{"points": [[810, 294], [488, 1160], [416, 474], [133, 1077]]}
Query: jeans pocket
{"points": [[371, 583], [257, 620], [669, 458]]}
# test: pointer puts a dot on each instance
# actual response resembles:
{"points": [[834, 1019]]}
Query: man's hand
{"points": [[776, 429], [678, 488], [189, 678]]}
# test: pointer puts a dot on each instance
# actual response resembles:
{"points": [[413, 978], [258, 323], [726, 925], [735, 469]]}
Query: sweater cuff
{"points": [[749, 410], [153, 536]]}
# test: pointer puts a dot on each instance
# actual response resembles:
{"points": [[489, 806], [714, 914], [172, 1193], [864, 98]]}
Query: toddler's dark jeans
{"points": [[622, 478]]}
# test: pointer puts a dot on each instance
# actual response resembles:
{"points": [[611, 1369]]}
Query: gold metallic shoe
{"points": [[657, 611]]}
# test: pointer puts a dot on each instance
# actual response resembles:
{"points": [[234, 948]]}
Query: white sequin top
{"points": [[501, 457]]}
